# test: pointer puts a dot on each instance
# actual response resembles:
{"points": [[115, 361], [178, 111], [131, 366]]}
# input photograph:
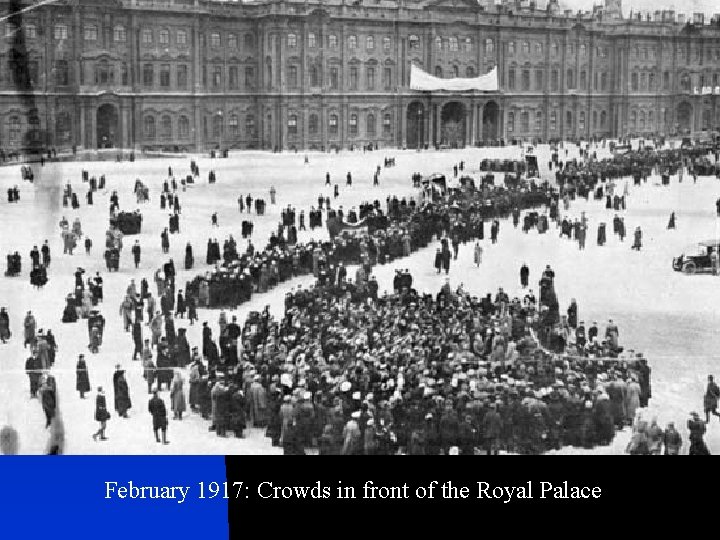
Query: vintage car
{"points": [[697, 258]]}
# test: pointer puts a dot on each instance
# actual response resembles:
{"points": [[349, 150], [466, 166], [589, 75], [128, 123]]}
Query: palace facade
{"points": [[293, 74]]}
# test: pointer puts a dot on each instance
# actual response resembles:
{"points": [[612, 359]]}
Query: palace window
{"points": [[538, 49], [164, 37], [511, 48], [352, 42], [387, 124], [249, 77], [370, 75], [353, 125], [387, 78], [91, 33], [14, 128], [166, 127], [583, 50], [62, 73], [165, 75], [603, 119], [292, 124], [468, 44], [312, 40], [30, 31], [250, 124], [539, 80], [583, 80], [147, 36], [438, 43], [453, 44], [183, 127], [387, 44], [292, 76], [370, 124], [570, 79], [232, 41], [217, 77], [553, 121], [149, 127], [634, 81], [525, 80], [314, 76], [438, 72], [554, 49], [511, 79], [603, 81], [148, 75], [332, 41], [181, 37], [524, 122], [313, 124], [469, 72], [568, 120], [61, 31], [370, 43], [554, 77], [489, 46], [353, 78], [525, 48], [511, 122], [249, 42], [685, 82], [334, 78], [292, 41], [581, 121], [233, 77], [333, 124], [414, 41], [215, 40], [538, 121]]}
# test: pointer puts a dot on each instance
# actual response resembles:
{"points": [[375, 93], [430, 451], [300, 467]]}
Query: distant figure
{"points": [[478, 254], [710, 400], [697, 429], [156, 407], [637, 244], [671, 223]]}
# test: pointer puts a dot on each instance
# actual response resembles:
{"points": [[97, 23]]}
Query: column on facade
{"points": [[83, 141], [473, 124], [93, 126], [436, 111], [468, 125], [480, 123], [426, 129], [432, 125], [403, 120]]}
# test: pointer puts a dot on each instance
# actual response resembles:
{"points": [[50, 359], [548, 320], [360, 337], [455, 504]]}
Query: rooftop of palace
{"points": [[503, 13]]}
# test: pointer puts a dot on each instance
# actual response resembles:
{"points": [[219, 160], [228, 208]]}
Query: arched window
{"points": [[370, 78], [353, 124], [511, 122], [603, 81], [370, 43], [438, 71], [14, 129], [583, 80], [166, 127], [469, 71], [313, 124], [233, 125], [292, 124], [570, 79], [438, 43], [370, 124], [651, 81], [387, 124], [183, 127], [149, 127]]}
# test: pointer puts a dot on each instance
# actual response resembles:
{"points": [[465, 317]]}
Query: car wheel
{"points": [[689, 268]]}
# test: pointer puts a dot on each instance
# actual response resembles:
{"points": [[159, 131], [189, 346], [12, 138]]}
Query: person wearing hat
{"points": [[158, 411], [101, 414], [122, 393], [710, 399], [672, 440], [351, 436], [82, 379]]}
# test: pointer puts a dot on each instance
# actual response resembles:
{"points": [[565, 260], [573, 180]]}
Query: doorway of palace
{"points": [[452, 125], [107, 126], [490, 120], [415, 120], [684, 116]]}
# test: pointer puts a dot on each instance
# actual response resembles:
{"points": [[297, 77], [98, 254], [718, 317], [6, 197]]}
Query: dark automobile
{"points": [[697, 258]]}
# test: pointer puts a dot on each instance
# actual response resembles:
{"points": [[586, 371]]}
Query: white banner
{"points": [[419, 80]]}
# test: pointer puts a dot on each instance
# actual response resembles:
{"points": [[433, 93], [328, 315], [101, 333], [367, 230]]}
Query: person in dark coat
{"points": [[697, 429], [4, 326], [137, 339], [82, 378], [122, 393], [136, 253], [293, 440], [524, 276], [572, 313], [101, 415], [180, 306], [710, 400], [189, 259], [671, 223], [48, 398], [33, 368], [156, 407]]}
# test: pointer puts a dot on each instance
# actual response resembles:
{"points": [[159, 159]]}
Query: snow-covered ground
{"points": [[668, 316]]}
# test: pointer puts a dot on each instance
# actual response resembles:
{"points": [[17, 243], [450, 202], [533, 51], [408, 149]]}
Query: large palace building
{"points": [[314, 74]]}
